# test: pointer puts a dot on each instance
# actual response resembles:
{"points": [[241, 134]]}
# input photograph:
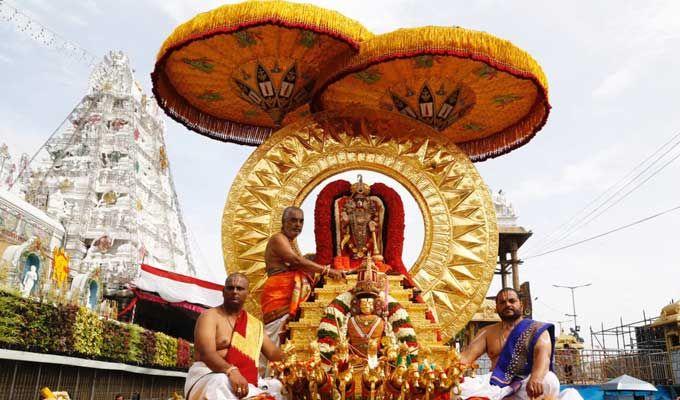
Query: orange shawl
{"points": [[282, 294]]}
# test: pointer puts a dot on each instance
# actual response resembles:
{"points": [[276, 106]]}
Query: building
{"points": [[511, 238], [27, 237], [107, 180]]}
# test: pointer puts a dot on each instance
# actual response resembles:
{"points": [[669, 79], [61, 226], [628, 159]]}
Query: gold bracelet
{"points": [[230, 370]]}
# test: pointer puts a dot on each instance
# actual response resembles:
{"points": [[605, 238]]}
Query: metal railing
{"points": [[20, 380], [594, 366]]}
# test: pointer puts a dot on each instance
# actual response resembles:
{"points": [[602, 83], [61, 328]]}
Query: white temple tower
{"points": [[107, 179]]}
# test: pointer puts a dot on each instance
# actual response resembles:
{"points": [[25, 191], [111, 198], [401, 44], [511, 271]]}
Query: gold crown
{"points": [[369, 281], [360, 187]]}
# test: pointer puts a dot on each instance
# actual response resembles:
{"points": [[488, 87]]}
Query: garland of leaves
{"points": [[43, 327]]}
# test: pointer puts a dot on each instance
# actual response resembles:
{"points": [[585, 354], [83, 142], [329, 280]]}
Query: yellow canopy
{"points": [[482, 92], [240, 71]]}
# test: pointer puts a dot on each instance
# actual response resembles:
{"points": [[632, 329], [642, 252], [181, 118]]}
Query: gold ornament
{"points": [[456, 264]]}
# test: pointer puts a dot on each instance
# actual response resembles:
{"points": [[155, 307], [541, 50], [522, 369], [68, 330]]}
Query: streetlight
{"points": [[573, 303], [560, 324]]}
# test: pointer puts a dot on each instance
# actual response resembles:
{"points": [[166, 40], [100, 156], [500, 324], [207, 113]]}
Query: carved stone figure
{"points": [[29, 282]]}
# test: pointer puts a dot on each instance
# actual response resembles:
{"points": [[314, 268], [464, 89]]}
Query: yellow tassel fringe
{"points": [[440, 38], [252, 11]]}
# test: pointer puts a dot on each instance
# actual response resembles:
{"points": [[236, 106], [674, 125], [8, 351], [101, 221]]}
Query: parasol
{"points": [[240, 71], [482, 92]]}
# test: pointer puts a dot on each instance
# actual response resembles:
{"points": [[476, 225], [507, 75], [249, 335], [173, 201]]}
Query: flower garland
{"points": [[116, 347], [136, 349], [334, 321], [36, 330], [11, 321], [63, 328], [324, 223], [394, 231]]}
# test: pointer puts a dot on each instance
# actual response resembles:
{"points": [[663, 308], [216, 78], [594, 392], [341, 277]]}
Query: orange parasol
{"points": [[240, 71], [482, 92]]}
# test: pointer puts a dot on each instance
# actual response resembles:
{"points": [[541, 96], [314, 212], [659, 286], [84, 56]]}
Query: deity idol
{"points": [[361, 218], [366, 322]]}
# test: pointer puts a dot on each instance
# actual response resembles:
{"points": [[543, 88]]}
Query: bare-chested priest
{"points": [[521, 352], [228, 343], [290, 276]]}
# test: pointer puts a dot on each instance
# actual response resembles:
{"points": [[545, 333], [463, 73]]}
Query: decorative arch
{"points": [[456, 264]]}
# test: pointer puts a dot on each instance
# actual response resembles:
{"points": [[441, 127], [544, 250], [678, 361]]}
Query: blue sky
{"points": [[612, 69]]}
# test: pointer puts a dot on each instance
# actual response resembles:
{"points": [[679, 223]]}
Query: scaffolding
{"points": [[638, 335]]}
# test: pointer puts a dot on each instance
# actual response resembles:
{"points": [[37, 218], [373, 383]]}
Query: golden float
{"points": [[320, 95]]}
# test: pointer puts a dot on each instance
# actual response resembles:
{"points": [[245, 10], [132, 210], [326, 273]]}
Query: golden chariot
{"points": [[317, 94]]}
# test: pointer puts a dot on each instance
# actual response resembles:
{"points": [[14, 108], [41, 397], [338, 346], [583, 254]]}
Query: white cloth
{"points": [[272, 330], [480, 386], [206, 385]]}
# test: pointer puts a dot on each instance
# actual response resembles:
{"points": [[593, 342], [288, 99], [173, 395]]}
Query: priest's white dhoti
{"points": [[204, 384], [480, 386]]}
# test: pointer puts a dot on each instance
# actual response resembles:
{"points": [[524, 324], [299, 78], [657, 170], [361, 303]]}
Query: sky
{"points": [[612, 70]]}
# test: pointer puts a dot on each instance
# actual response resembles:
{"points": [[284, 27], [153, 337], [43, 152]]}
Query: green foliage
{"points": [[87, 333], [184, 353], [117, 339], [135, 350], [148, 347], [166, 350], [68, 329], [11, 320]]}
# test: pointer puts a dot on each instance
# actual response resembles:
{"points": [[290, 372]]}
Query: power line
{"points": [[569, 223], [538, 299], [580, 222], [636, 187], [585, 223], [605, 233]]}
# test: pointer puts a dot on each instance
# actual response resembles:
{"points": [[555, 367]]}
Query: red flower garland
{"points": [[394, 232], [324, 221]]}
